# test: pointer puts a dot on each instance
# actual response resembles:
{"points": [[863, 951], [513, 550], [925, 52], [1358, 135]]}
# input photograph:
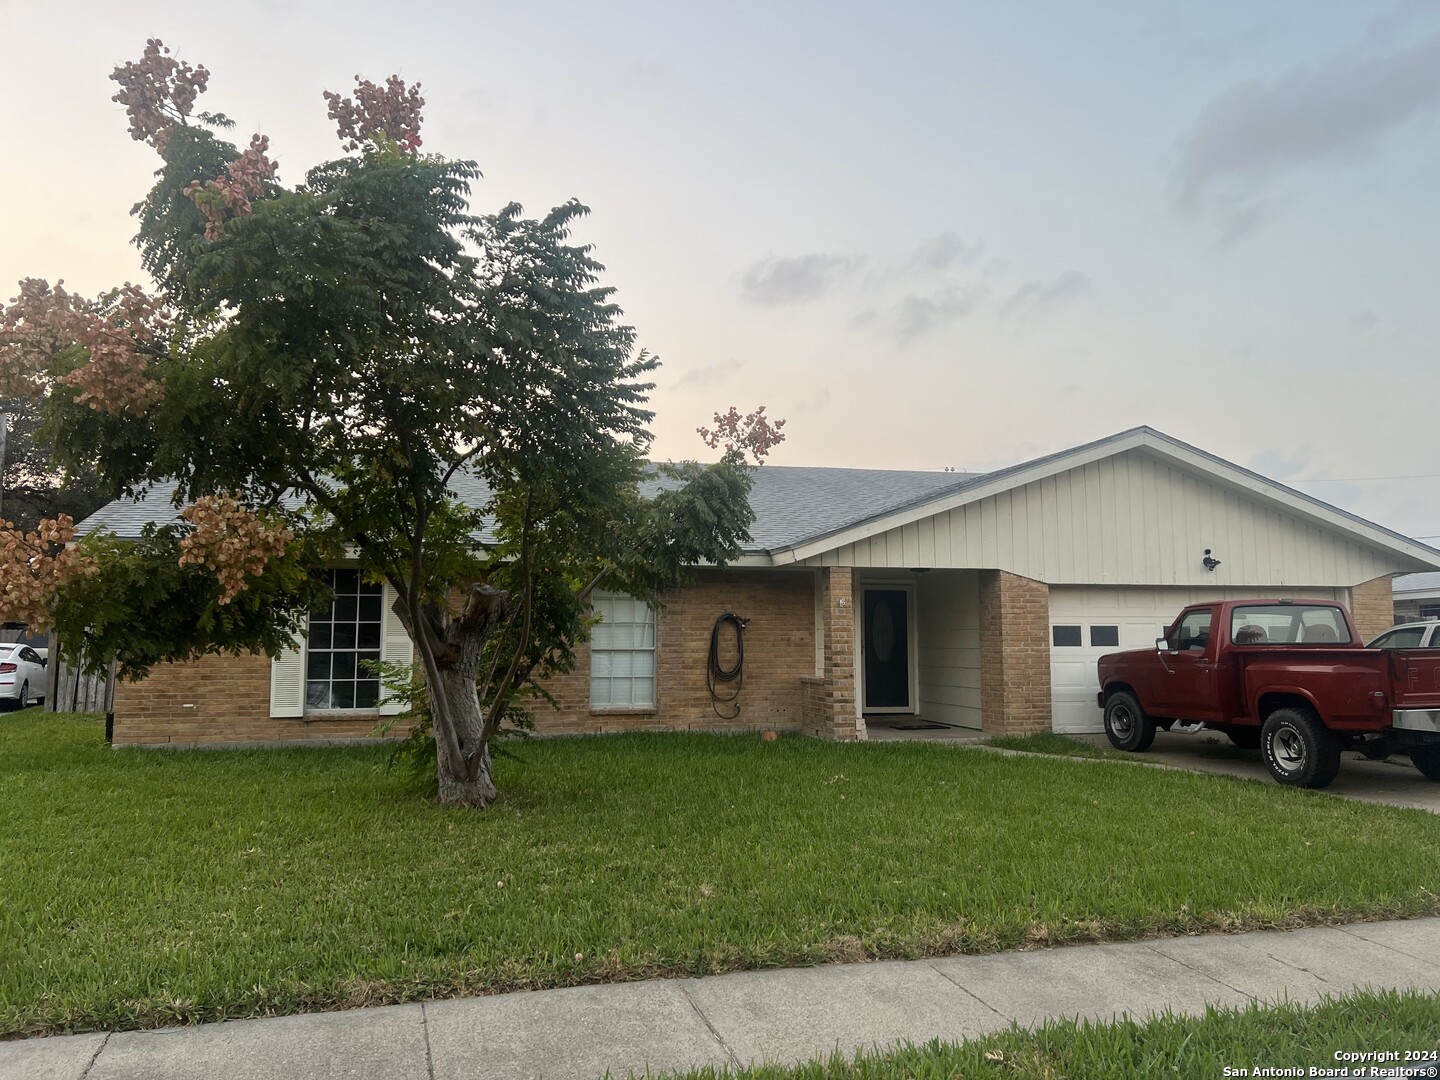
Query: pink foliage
{"points": [[34, 565], [120, 333], [754, 433], [230, 195], [231, 541], [376, 112], [158, 92]]}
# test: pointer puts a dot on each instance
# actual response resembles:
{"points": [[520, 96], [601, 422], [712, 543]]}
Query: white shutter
{"points": [[395, 647], [287, 682]]}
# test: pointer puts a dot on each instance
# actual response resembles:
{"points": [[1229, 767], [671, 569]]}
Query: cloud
{"points": [[942, 252], [710, 374], [1365, 321], [818, 402], [1259, 131], [795, 279], [1033, 295], [916, 316]]}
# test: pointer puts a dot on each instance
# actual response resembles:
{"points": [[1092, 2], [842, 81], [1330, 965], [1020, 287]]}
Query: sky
{"points": [[927, 235]]}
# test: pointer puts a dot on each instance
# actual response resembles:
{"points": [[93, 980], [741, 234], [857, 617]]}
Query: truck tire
{"points": [[1427, 760], [1126, 725], [1246, 738], [1299, 750]]}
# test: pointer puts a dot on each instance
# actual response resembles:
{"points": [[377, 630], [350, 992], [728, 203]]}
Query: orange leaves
{"points": [[230, 541], [755, 433], [32, 570]]}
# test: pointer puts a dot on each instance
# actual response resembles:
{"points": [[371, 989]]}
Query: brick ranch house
{"points": [[873, 598]]}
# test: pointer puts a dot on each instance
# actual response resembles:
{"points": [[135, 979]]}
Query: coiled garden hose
{"points": [[718, 679]]}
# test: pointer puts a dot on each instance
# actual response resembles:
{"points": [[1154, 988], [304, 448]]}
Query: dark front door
{"points": [[887, 649]]}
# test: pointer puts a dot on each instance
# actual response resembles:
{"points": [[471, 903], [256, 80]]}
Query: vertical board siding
{"points": [[947, 631], [1125, 520]]}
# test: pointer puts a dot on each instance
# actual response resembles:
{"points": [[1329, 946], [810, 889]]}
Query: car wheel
{"points": [[1247, 738], [1299, 750], [24, 695], [1126, 725], [1427, 760]]}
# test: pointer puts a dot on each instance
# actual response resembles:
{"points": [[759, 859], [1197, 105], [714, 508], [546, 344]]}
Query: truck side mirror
{"points": [[1161, 645]]}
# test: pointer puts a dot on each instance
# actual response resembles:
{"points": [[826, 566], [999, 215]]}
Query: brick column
{"points": [[1373, 605], [1014, 653], [839, 720]]}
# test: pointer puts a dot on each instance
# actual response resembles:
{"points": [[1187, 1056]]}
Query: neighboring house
{"points": [[1417, 596], [975, 600]]}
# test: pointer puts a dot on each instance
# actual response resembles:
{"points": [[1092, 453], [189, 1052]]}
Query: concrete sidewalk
{"points": [[786, 1015]]}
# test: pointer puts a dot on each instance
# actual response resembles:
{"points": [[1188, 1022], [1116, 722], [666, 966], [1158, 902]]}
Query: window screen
{"points": [[342, 637], [622, 652], [1065, 635], [1104, 635]]}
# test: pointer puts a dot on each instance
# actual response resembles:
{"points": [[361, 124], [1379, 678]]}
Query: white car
{"points": [[1414, 635], [22, 676]]}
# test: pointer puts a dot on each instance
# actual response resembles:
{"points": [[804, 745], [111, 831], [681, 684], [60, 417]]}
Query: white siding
{"points": [[1131, 519], [948, 646]]}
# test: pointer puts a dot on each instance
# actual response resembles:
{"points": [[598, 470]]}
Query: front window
{"points": [[1288, 624], [342, 637], [1193, 633], [622, 653]]}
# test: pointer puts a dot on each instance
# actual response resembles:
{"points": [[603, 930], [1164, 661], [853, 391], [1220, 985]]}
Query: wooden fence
{"points": [[69, 689]]}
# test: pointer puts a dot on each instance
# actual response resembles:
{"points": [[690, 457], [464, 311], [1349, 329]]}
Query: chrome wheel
{"points": [[1122, 721], [1289, 749]]}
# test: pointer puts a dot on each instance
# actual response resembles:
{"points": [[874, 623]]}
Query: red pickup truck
{"points": [[1291, 677]]}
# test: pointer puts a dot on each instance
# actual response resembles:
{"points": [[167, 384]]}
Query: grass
{"points": [[1286, 1036], [140, 888], [1047, 742]]}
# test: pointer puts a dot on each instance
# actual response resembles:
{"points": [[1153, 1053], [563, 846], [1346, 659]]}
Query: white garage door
{"points": [[1086, 623]]}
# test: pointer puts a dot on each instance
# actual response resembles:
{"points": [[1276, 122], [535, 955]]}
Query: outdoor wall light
{"points": [[1210, 562]]}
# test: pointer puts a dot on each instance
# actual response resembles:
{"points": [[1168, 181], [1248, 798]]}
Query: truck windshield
{"points": [[1288, 624]]}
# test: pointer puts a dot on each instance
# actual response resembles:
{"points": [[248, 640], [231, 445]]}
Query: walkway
{"points": [[785, 1015]]}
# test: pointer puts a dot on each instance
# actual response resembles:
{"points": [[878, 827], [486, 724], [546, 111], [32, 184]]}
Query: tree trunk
{"points": [[450, 647], [466, 781], [460, 790]]}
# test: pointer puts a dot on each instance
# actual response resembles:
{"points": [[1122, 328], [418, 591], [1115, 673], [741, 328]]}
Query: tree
{"points": [[316, 366]]}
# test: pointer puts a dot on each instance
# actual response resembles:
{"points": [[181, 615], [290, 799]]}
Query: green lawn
{"points": [[1047, 742], [148, 887], [1279, 1037]]}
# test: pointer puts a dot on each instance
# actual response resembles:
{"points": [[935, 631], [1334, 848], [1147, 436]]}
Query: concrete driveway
{"points": [[1395, 782]]}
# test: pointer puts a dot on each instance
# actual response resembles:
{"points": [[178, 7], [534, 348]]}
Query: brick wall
{"points": [[840, 719], [779, 653], [229, 697], [1014, 653], [217, 699], [1373, 605]]}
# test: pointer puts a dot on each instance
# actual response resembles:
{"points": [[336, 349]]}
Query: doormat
{"points": [[924, 725]]}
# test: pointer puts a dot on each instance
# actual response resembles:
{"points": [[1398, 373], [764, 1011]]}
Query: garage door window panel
{"points": [[1066, 636]]}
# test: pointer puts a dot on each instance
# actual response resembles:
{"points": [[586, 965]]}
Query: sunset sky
{"points": [[928, 235]]}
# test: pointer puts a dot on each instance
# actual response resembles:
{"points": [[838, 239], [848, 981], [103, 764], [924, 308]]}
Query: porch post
{"points": [[840, 720], [1014, 653]]}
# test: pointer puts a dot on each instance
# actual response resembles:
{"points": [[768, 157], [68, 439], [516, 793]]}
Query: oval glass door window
{"points": [[882, 632]]}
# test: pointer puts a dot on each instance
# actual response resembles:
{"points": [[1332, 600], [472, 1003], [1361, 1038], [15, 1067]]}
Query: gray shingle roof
{"points": [[791, 504], [1415, 583]]}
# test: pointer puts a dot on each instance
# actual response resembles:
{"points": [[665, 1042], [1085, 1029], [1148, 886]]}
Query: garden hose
{"points": [[717, 678]]}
